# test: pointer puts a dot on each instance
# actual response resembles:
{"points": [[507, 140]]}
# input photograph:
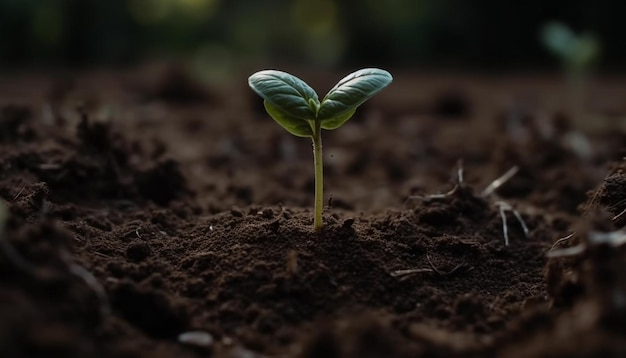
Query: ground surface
{"points": [[145, 205]]}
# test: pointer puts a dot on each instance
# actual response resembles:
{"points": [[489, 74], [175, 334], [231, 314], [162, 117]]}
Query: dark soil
{"points": [[141, 210]]}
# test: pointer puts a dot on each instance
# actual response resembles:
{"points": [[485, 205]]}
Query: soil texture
{"points": [[150, 215]]}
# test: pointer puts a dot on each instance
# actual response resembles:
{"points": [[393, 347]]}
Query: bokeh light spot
{"points": [[203, 9], [315, 16], [147, 12], [47, 25]]}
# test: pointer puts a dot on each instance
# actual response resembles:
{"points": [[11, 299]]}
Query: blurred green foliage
{"points": [[577, 52], [320, 32]]}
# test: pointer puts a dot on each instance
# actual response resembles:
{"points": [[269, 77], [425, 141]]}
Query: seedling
{"points": [[296, 107], [578, 54]]}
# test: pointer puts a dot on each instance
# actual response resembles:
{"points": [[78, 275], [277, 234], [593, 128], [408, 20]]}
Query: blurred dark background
{"points": [[219, 34]]}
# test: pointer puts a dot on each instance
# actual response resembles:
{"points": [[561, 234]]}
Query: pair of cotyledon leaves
{"points": [[578, 51], [295, 105]]}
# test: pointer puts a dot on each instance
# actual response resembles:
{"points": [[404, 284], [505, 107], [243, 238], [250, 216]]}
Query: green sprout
{"points": [[296, 107], [577, 52]]}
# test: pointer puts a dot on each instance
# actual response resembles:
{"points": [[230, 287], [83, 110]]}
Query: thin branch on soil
{"points": [[566, 252], [562, 239], [505, 227], [521, 221], [498, 182], [101, 254], [447, 273], [619, 215], [504, 207], [613, 239], [459, 172], [136, 232], [18, 194], [435, 196], [459, 182], [401, 273]]}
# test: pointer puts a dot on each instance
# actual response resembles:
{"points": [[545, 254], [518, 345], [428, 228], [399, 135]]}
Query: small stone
{"points": [[267, 213], [273, 225], [196, 338], [236, 213], [240, 352]]}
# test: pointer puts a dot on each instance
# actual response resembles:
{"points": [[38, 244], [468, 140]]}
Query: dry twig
{"points": [[503, 208], [498, 182]]}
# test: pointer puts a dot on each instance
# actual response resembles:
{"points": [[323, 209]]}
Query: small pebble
{"points": [[267, 213], [348, 223], [196, 338], [241, 352], [236, 213]]}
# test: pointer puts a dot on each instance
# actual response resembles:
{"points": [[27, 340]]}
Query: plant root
{"points": [[457, 185], [616, 217], [503, 208], [562, 240], [498, 182], [401, 273], [613, 239], [461, 266]]}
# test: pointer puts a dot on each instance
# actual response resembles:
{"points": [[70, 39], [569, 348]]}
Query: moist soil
{"points": [[151, 215]]}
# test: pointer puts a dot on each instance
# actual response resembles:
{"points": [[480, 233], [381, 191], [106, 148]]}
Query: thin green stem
{"points": [[319, 176], [577, 83]]}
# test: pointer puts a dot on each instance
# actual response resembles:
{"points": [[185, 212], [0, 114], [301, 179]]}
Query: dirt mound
{"points": [[128, 231]]}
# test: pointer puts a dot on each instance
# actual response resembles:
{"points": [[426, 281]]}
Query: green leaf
{"points": [[287, 94], [296, 126], [352, 91], [334, 123], [559, 39], [586, 51]]}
